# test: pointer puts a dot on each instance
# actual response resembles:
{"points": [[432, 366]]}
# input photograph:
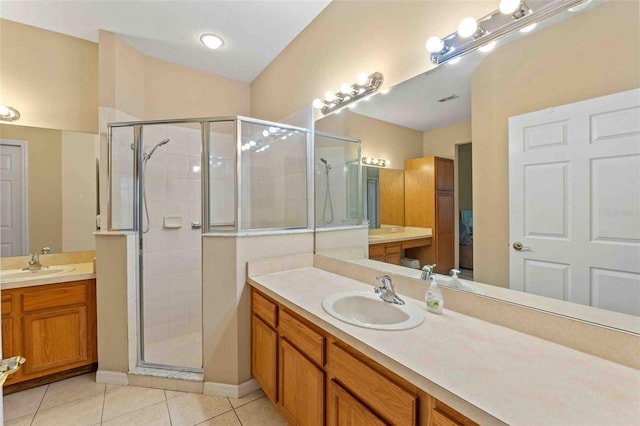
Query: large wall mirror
{"points": [[49, 190], [461, 111]]}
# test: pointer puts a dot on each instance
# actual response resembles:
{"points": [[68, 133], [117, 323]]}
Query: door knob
{"points": [[518, 246]]}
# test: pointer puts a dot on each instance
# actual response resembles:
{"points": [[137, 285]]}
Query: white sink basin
{"points": [[20, 275], [366, 309]]}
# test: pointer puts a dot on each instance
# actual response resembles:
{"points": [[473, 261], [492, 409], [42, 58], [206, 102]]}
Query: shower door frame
{"points": [[138, 182]]}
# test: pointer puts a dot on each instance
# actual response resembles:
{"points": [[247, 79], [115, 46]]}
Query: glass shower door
{"points": [[170, 206]]}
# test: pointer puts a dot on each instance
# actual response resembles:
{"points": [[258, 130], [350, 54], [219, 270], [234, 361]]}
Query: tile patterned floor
{"points": [[82, 401]]}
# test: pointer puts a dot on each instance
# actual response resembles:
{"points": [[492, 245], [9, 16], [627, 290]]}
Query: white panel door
{"points": [[574, 202], [13, 232]]}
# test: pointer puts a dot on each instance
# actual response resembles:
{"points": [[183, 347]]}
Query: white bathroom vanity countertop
{"points": [[70, 272], [392, 234], [498, 375]]}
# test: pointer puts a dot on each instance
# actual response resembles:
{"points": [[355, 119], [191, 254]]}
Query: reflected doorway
{"points": [[465, 210]]}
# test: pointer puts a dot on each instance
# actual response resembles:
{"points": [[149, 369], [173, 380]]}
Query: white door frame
{"points": [[24, 150]]}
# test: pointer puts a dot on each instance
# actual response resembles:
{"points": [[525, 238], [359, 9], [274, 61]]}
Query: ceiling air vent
{"points": [[448, 98]]}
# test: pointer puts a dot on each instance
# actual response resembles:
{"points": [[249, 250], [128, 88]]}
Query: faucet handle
{"points": [[45, 250], [454, 273], [385, 280], [429, 268]]}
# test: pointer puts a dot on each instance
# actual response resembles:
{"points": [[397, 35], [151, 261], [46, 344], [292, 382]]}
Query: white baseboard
{"points": [[230, 391], [112, 377]]}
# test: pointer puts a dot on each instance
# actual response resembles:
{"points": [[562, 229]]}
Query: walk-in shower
{"points": [[337, 180], [212, 175]]}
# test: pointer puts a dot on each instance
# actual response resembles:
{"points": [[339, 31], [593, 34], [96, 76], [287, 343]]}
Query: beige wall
{"points": [[78, 191], [350, 37], [441, 142], [379, 138], [593, 54], [148, 88], [44, 152], [52, 79]]}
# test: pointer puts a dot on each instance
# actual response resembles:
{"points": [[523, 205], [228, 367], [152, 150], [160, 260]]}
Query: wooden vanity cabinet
{"points": [[429, 203], [315, 379], [386, 252], [53, 326]]}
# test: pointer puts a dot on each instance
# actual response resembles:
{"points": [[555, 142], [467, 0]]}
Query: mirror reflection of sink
{"points": [[366, 309], [19, 274]]}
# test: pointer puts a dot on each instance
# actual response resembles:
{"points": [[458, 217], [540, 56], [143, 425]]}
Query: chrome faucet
{"points": [[427, 270], [386, 291], [34, 263]]}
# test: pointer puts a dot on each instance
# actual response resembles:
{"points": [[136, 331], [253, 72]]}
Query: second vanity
{"points": [[49, 317], [452, 369]]}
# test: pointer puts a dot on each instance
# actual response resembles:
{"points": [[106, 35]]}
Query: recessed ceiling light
{"points": [[212, 41]]}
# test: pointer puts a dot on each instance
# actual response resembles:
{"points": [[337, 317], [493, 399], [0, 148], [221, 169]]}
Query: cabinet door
{"points": [[445, 232], [54, 338], [301, 387], [344, 409], [264, 357]]}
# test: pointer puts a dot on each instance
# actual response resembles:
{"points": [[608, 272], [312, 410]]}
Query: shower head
{"points": [[326, 164], [158, 145]]}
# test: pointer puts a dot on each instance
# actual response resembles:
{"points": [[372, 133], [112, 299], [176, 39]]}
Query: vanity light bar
{"points": [[494, 27], [368, 161], [364, 86], [8, 113]]}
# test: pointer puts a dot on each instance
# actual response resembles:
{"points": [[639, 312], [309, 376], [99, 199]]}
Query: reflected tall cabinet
{"points": [[429, 203]]}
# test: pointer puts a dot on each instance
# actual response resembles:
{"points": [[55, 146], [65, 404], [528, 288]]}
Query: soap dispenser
{"points": [[434, 299], [455, 281]]}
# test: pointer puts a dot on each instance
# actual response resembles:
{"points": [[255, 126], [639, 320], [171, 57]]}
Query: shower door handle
{"points": [[196, 225]]}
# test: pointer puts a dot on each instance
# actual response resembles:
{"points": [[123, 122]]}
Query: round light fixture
{"points": [[435, 44], [362, 79], [509, 6], [345, 88], [317, 103], [212, 41], [329, 96], [467, 27]]}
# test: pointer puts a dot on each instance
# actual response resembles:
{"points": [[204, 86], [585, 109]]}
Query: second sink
{"points": [[367, 310]]}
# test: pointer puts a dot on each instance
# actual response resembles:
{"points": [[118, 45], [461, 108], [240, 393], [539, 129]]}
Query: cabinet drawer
{"points": [[54, 297], [391, 402], [376, 250], [265, 309], [393, 248], [305, 339], [6, 304]]}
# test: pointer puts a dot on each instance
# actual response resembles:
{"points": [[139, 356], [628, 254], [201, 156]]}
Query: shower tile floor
{"points": [[182, 350], [82, 401]]}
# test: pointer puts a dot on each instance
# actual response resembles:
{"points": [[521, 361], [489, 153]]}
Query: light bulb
{"points": [[362, 79], [272, 130], [329, 96], [345, 88], [317, 103], [435, 44], [252, 143], [488, 47], [467, 27], [528, 28], [212, 41], [509, 6], [265, 133]]}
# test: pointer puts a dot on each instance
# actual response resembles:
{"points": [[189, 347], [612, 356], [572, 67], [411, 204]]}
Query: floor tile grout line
{"points": [[237, 416], [104, 398], [39, 404]]}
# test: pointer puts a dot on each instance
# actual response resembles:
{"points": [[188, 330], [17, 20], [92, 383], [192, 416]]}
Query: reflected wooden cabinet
{"points": [[53, 326], [389, 252], [429, 203], [321, 380]]}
